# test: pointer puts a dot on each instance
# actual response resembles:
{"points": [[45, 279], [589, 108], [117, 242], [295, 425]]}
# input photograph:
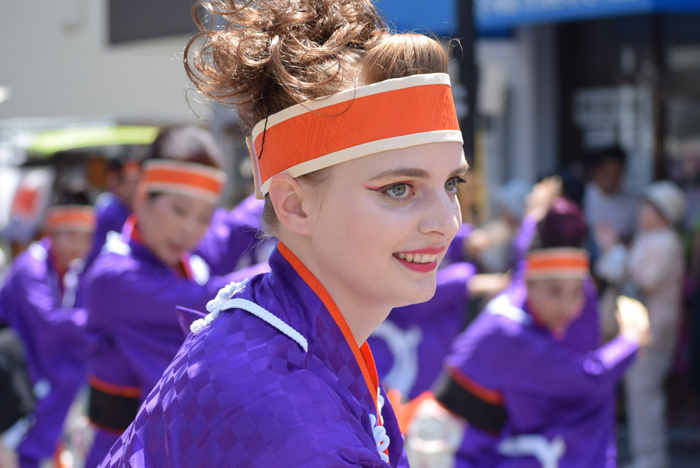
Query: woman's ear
{"points": [[287, 196]]}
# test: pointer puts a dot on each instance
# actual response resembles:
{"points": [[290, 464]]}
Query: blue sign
{"points": [[440, 16], [423, 16], [499, 14]]}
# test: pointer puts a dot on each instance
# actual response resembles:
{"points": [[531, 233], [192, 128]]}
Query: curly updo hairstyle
{"points": [[263, 56]]}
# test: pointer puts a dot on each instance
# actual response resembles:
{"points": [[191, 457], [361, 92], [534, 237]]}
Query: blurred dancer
{"points": [[114, 206], [138, 281], [280, 373], [651, 269], [42, 301], [530, 401]]}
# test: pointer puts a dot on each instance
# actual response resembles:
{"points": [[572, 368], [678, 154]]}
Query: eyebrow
{"points": [[415, 173]]}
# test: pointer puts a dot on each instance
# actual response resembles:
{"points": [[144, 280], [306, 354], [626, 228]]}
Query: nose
{"points": [[442, 215]]}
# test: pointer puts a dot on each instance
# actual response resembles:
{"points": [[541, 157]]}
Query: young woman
{"points": [[136, 284], [42, 301], [529, 400], [361, 189]]}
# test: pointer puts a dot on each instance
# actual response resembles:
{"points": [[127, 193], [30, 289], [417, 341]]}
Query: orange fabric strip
{"points": [[364, 355], [114, 389], [413, 110], [70, 217], [185, 178], [486, 394], [558, 263]]}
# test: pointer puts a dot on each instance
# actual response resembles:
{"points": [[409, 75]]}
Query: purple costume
{"points": [[530, 401], [233, 239], [534, 400], [111, 213], [410, 345], [276, 379], [46, 316], [132, 300]]}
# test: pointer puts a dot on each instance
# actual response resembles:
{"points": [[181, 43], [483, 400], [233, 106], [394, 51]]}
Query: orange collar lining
{"points": [[363, 354]]}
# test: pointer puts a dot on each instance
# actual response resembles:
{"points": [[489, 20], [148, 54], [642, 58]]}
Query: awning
{"points": [[500, 14], [50, 142]]}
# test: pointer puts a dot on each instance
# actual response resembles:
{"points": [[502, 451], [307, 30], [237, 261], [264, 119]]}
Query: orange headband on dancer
{"points": [[392, 114], [185, 178], [557, 263], [70, 218]]}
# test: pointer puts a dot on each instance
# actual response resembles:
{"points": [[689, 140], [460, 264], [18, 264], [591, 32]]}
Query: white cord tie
{"points": [[223, 302], [380, 438], [215, 305]]}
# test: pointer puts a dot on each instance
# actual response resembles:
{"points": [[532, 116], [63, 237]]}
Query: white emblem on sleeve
{"points": [[547, 453], [404, 348]]}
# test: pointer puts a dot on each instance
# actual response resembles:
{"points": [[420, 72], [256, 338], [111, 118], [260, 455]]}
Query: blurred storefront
{"points": [[625, 73]]}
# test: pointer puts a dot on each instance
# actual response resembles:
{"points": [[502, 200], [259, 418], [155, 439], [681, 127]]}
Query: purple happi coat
{"points": [[531, 401], [410, 345], [44, 308], [133, 323], [111, 213], [272, 379], [233, 240]]}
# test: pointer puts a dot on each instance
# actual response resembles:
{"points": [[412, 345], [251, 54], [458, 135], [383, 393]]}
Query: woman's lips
{"points": [[421, 260]]}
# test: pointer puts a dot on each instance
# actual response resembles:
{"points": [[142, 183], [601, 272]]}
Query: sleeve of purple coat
{"points": [[232, 235], [54, 329], [555, 371], [521, 244]]}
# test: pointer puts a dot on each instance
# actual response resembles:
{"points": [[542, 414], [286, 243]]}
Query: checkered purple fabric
{"points": [[243, 394]]}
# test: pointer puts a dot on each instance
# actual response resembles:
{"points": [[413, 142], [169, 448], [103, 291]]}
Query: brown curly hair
{"points": [[271, 54]]}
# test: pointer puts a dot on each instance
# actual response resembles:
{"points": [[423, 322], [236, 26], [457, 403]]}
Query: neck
{"points": [[361, 313]]}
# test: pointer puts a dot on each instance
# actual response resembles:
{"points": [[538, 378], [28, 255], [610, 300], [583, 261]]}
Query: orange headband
{"points": [[70, 217], [392, 114], [557, 263], [185, 178], [131, 169]]}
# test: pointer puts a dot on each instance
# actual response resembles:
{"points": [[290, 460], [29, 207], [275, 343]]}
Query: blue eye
{"points": [[398, 190], [452, 185]]}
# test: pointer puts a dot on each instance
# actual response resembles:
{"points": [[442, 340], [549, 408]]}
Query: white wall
{"points": [[56, 61], [529, 142]]}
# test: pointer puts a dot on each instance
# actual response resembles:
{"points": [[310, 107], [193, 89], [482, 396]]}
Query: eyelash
{"points": [[385, 189]]}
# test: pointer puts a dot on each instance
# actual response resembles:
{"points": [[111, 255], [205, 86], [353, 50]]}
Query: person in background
{"points": [[114, 206], [605, 200], [138, 281], [531, 393], [42, 300], [651, 269]]}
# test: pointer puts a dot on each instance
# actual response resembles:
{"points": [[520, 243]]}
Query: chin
{"points": [[418, 293]]}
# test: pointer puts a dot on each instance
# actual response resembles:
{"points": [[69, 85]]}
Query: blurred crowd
{"points": [[574, 288]]}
